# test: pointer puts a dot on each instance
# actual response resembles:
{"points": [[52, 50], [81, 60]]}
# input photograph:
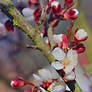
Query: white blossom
{"points": [[36, 77], [70, 76], [76, 11], [57, 87], [57, 65], [66, 61], [81, 34], [12, 82], [45, 74], [57, 38], [73, 56], [28, 13], [58, 53], [68, 68], [55, 3]]}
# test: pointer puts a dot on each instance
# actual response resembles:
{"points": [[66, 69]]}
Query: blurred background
{"points": [[16, 59]]}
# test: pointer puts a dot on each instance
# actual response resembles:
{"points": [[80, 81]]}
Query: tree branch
{"points": [[18, 20], [21, 22]]}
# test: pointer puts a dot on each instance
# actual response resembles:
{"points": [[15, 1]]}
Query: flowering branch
{"points": [[62, 58]]}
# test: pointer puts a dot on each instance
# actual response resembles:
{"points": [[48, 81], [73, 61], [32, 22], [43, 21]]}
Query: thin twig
{"points": [[69, 32]]}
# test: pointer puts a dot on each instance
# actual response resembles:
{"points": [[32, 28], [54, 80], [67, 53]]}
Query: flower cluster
{"points": [[54, 7], [66, 50], [67, 57], [45, 80]]}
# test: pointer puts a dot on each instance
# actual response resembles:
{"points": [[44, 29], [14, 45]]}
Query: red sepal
{"points": [[79, 48], [9, 26]]}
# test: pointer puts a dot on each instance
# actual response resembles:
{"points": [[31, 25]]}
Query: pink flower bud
{"points": [[63, 44], [29, 3], [61, 40], [79, 48], [68, 2], [56, 7], [34, 1], [9, 26], [72, 14], [28, 90], [44, 33], [37, 14], [17, 83], [50, 1], [80, 35]]}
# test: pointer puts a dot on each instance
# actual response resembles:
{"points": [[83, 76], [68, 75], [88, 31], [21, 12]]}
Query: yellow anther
{"points": [[54, 58], [58, 53], [74, 63], [74, 57], [56, 84], [63, 47], [39, 71], [48, 88]]}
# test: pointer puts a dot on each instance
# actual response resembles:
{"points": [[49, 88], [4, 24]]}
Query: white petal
{"points": [[12, 82], [57, 65], [30, 18], [70, 76], [73, 57], [41, 34], [58, 53], [27, 12], [57, 88], [43, 90], [1, 25], [46, 39], [45, 74], [57, 38], [76, 11], [55, 3], [69, 68], [81, 33], [68, 89], [36, 77], [3, 31]]}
